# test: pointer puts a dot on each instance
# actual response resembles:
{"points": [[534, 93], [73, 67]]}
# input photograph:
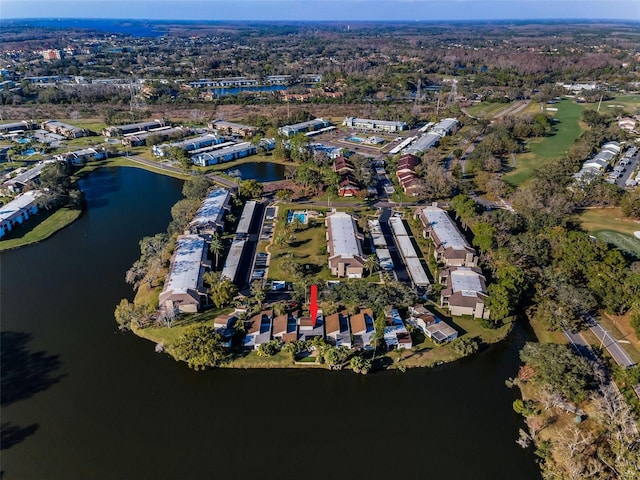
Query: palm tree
{"points": [[371, 263], [258, 292], [216, 246]]}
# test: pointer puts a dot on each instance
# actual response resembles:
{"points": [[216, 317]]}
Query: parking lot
{"points": [[623, 172]]}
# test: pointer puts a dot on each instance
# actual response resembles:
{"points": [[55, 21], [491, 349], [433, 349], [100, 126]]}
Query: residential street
{"points": [[612, 345]]}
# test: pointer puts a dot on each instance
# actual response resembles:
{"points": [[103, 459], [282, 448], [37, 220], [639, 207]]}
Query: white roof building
{"points": [[18, 210], [18, 182], [451, 246], [424, 143], [343, 244], [309, 126], [444, 127], [378, 125], [465, 292], [210, 216], [232, 262], [183, 290]]}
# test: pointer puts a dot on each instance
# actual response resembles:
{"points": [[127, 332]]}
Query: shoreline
{"points": [[395, 359], [72, 214]]}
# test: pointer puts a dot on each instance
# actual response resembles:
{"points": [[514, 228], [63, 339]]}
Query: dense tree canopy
{"points": [[200, 347], [559, 368]]}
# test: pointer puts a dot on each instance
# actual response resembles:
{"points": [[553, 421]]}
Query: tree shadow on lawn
{"points": [[299, 243]]}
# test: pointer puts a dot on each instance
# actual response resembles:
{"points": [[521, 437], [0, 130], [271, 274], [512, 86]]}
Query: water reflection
{"points": [[24, 372]]}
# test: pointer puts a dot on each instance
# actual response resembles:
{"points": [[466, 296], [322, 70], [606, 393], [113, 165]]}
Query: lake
{"points": [[82, 401], [263, 171], [236, 90]]}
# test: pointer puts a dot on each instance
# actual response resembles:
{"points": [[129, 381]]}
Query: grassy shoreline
{"points": [[41, 229], [425, 353]]}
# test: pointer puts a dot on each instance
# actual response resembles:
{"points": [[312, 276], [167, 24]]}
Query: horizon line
{"points": [[408, 20]]}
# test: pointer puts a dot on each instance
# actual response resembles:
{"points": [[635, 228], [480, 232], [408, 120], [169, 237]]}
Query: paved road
{"points": [[156, 165], [398, 265], [512, 109], [612, 345], [629, 170], [225, 182], [243, 276], [580, 344]]}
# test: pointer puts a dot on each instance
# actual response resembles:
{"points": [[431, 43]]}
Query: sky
{"points": [[338, 10]]}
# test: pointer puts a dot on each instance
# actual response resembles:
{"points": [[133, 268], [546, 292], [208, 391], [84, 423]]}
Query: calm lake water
{"points": [[236, 90], [82, 401], [263, 171]]}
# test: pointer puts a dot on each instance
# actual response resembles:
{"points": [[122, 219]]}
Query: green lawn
{"points": [[631, 104], [427, 353], [309, 248], [40, 227], [544, 150], [167, 336], [624, 242], [125, 162], [610, 225], [486, 109]]}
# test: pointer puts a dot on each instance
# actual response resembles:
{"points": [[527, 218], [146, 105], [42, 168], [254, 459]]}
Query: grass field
{"points": [[631, 104], [610, 225], [309, 248], [620, 240], [40, 227], [544, 150], [486, 109]]}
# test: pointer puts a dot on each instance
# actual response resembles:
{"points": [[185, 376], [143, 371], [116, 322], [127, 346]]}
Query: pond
{"points": [[261, 171], [236, 90]]}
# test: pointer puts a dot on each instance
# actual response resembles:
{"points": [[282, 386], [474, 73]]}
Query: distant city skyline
{"points": [[328, 10]]}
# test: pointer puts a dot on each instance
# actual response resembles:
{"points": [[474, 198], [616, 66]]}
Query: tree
{"points": [[136, 273], [484, 236], [221, 290], [258, 292], [293, 348], [127, 313], [251, 188], [216, 246], [55, 183], [182, 213], [296, 223], [196, 187], [270, 348], [181, 156], [298, 147], [559, 368], [466, 209], [200, 347], [466, 346], [152, 247], [284, 195], [630, 203], [372, 263], [335, 357], [360, 364]]}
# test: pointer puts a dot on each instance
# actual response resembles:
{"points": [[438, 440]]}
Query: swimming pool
{"points": [[29, 152], [355, 139], [23, 140], [300, 215]]}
